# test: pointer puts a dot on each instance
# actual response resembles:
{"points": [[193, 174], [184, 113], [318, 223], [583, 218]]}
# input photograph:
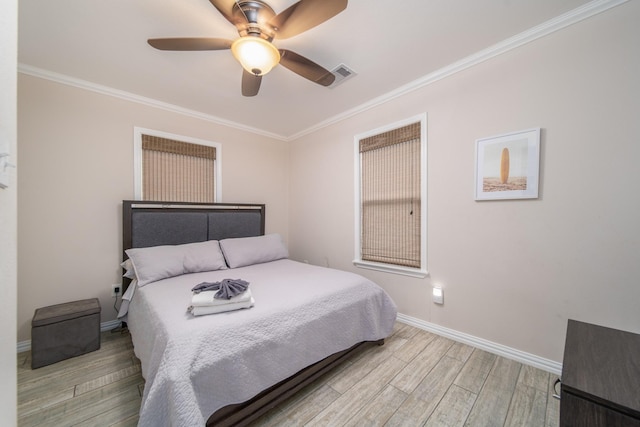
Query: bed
{"points": [[229, 368]]}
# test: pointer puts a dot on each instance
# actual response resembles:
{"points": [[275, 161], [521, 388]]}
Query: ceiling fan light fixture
{"points": [[255, 54]]}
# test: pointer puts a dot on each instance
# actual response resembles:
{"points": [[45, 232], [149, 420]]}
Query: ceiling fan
{"points": [[258, 25]]}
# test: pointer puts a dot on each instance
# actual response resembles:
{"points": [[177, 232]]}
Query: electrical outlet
{"points": [[116, 290]]}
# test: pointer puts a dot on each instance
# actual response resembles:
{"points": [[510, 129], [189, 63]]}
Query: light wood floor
{"points": [[416, 378]]}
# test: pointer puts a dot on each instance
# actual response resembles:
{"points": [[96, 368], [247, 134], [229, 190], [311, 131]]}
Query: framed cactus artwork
{"points": [[508, 166]]}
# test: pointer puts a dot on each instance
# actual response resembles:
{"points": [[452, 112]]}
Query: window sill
{"points": [[394, 269]]}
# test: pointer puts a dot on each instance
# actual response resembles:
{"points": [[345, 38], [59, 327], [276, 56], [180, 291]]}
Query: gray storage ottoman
{"points": [[66, 330]]}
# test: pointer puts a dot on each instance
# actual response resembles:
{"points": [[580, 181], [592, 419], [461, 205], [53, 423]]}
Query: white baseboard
{"points": [[104, 326], [499, 349]]}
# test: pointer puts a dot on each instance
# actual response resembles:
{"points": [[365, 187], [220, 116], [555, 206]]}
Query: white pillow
{"points": [[245, 251], [159, 262], [155, 263], [129, 273], [203, 256]]}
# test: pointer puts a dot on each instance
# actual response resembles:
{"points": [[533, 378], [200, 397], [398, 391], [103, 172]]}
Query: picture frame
{"points": [[508, 166]]}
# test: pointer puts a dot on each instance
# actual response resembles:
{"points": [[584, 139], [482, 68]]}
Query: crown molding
{"points": [[150, 102], [555, 24], [562, 21]]}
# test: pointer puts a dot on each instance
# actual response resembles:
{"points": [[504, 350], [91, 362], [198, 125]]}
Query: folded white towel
{"points": [[212, 309], [206, 299]]}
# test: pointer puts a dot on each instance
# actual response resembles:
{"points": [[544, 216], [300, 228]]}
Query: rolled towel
{"points": [[227, 288], [213, 309], [208, 299]]}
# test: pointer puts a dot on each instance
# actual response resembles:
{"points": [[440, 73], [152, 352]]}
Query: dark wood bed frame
{"points": [[242, 414], [239, 414]]}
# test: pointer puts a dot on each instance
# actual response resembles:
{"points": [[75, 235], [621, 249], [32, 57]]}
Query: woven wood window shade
{"points": [[177, 171], [390, 197]]}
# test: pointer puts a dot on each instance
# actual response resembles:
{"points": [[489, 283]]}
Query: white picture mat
{"points": [[524, 164]]}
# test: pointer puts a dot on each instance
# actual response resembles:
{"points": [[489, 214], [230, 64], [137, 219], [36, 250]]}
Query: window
{"points": [[175, 168], [391, 198]]}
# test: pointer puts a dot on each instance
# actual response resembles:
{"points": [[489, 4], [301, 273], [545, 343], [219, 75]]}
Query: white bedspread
{"points": [[194, 366]]}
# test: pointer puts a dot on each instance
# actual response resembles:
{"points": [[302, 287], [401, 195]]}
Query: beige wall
{"points": [[77, 166], [8, 212], [513, 272]]}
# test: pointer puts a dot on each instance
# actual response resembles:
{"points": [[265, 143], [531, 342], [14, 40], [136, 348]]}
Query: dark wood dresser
{"points": [[600, 377]]}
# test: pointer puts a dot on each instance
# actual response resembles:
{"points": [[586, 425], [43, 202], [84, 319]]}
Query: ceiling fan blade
{"points": [[305, 15], [306, 68], [225, 7], [250, 83], [190, 43]]}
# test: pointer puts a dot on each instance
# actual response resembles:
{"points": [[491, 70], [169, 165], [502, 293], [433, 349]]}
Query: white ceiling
{"points": [[388, 43]]}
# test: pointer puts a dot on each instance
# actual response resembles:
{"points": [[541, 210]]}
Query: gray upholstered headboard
{"points": [[148, 223]]}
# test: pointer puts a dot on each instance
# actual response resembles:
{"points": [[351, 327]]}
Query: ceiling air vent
{"points": [[342, 73]]}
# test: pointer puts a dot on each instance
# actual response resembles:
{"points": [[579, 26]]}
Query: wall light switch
{"points": [[4, 172], [437, 295], [4, 158]]}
